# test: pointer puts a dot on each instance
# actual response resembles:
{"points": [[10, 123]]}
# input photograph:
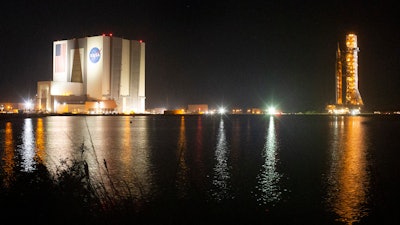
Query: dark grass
{"points": [[73, 196], [68, 196]]}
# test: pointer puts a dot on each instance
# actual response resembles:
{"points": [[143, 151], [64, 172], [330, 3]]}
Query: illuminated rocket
{"points": [[339, 77], [350, 73]]}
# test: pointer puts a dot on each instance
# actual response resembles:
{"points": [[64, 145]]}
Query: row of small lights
{"points": [[270, 110]]}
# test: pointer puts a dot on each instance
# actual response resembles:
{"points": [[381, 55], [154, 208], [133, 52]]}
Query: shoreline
{"points": [[39, 115]]}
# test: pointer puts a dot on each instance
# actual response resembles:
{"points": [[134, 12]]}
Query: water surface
{"points": [[291, 169]]}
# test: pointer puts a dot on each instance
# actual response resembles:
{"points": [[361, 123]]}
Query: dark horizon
{"points": [[233, 53]]}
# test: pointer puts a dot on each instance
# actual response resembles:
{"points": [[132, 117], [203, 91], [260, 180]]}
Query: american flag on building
{"points": [[60, 58]]}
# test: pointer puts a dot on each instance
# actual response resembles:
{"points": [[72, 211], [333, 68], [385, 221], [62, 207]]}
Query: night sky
{"points": [[232, 53]]}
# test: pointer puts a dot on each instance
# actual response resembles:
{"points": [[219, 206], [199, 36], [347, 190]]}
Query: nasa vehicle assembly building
{"points": [[99, 74]]}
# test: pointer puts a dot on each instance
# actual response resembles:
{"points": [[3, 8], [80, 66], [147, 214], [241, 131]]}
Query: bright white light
{"points": [[221, 110], [28, 104], [355, 111], [341, 111], [271, 110]]}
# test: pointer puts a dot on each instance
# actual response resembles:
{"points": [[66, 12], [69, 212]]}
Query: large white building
{"points": [[95, 74]]}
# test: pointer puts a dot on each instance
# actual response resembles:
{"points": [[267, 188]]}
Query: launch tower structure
{"points": [[353, 97], [348, 96]]}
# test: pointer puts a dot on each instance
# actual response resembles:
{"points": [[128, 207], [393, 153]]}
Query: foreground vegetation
{"points": [[68, 197], [73, 197]]}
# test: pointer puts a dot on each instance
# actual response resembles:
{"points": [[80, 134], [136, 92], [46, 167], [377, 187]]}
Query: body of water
{"points": [[245, 169]]}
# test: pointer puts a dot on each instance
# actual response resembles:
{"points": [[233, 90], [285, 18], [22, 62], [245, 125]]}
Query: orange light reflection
{"points": [[182, 174], [40, 143], [348, 177], [8, 157]]}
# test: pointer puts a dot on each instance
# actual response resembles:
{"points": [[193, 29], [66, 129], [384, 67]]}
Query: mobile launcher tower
{"points": [[348, 98]]}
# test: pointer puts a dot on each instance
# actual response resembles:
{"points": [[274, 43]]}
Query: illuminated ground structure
{"points": [[99, 74], [348, 98]]}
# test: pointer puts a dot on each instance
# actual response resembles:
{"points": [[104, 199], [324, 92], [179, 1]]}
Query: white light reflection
{"points": [[268, 178], [221, 185], [27, 149], [63, 138], [138, 147], [348, 178]]}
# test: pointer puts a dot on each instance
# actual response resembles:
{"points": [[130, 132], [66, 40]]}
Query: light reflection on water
{"points": [[182, 183], [40, 142], [64, 138], [141, 155], [27, 149], [268, 178], [199, 164], [348, 178], [221, 177], [118, 148], [8, 155], [227, 158], [121, 150], [134, 157]]}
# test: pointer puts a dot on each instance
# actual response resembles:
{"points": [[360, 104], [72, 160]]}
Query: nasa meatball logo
{"points": [[94, 55]]}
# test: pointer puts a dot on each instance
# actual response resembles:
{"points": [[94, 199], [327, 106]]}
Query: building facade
{"points": [[106, 70]]}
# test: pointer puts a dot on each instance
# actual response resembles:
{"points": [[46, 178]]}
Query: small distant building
{"points": [[97, 69], [157, 110], [237, 111], [175, 112], [198, 108], [8, 107], [254, 111]]}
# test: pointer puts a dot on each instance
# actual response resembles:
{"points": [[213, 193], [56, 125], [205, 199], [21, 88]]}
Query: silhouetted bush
{"points": [[70, 196]]}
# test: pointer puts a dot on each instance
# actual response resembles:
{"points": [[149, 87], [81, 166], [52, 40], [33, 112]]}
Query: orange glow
{"points": [[40, 142], [8, 157], [348, 73], [182, 173], [348, 175], [134, 151]]}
